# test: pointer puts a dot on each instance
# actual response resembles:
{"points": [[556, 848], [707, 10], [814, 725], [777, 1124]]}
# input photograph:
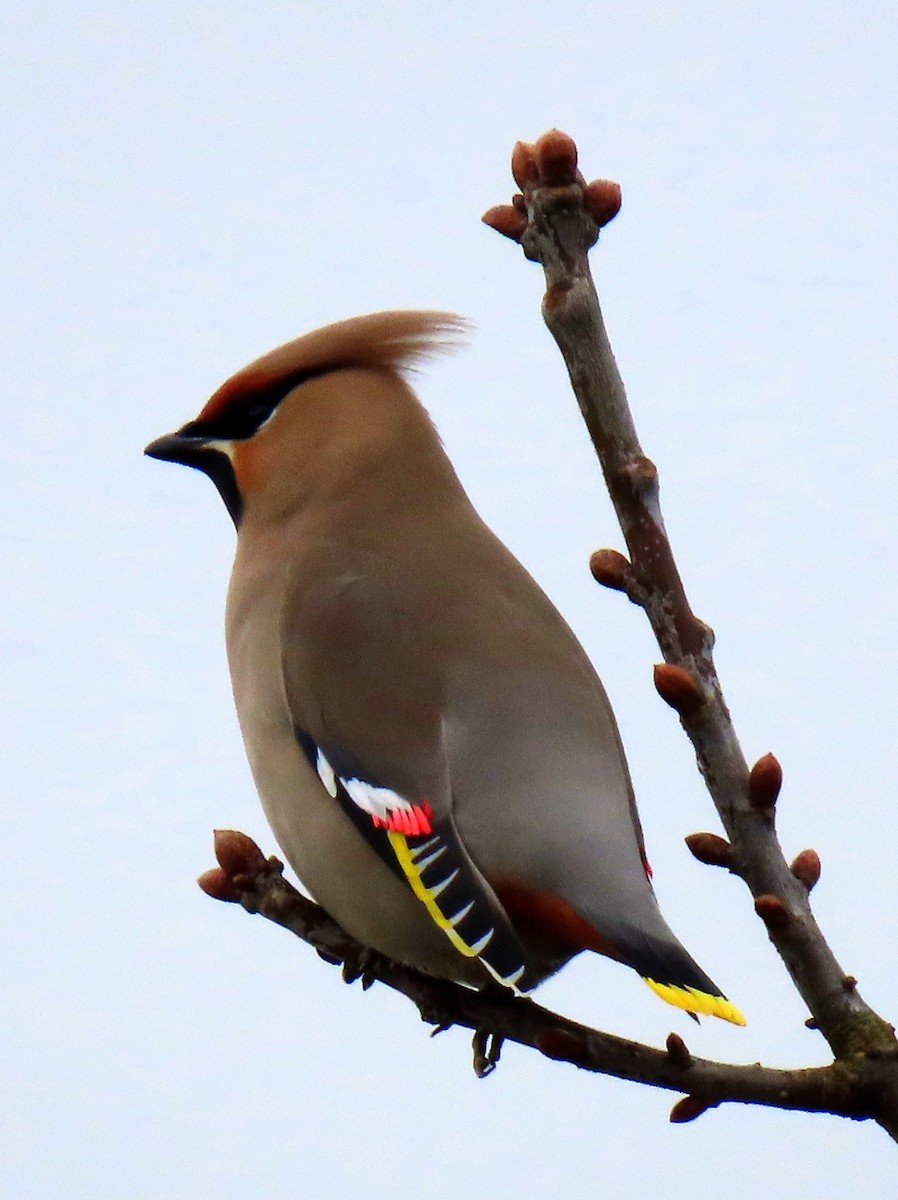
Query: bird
{"points": [[433, 749]]}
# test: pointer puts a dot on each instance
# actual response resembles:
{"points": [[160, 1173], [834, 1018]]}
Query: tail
{"points": [[711, 1003], [677, 978]]}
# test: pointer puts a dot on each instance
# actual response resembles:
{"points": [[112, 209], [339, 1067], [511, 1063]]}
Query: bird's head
{"points": [[254, 431]]}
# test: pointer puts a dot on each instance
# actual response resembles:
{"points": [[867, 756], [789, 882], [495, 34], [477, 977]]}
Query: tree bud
{"points": [[772, 912], [806, 867], [556, 158], [679, 688], [610, 568], [237, 853], [602, 199], [711, 849], [765, 781], [507, 220], [687, 1109], [523, 165]]}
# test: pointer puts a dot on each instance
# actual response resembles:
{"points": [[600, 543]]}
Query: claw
{"points": [[358, 966], [487, 1048]]}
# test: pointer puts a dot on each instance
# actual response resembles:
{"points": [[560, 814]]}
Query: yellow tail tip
{"points": [[695, 1001]]}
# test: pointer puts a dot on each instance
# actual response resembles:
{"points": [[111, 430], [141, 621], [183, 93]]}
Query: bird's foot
{"points": [[360, 966], [487, 1048]]}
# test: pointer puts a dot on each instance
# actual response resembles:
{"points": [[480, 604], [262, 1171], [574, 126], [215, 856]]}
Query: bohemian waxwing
{"points": [[434, 752]]}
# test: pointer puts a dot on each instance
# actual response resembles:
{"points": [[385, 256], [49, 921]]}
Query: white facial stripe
{"points": [[226, 448]]}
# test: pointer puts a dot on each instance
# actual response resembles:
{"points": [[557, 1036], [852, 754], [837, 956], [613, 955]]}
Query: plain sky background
{"points": [[188, 185]]}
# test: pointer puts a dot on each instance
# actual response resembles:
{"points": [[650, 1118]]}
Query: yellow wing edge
{"points": [[695, 1001], [413, 875]]}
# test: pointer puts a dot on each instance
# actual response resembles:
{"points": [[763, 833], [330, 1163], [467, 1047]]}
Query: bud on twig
{"points": [[688, 1109], [806, 868], [523, 165], [678, 688], [556, 158], [711, 849], [237, 853], [772, 912], [764, 782], [602, 199], [610, 568], [218, 884], [641, 472], [507, 220], [677, 1050]]}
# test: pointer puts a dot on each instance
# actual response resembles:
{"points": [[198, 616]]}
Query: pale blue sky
{"points": [[187, 185]]}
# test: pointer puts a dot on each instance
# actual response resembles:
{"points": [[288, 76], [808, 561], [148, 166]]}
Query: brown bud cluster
{"points": [[551, 162]]}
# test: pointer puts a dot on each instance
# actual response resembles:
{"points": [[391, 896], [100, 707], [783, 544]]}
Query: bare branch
{"points": [[562, 225], [257, 883]]}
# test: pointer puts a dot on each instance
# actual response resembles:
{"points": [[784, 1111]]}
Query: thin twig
{"points": [[557, 222]]}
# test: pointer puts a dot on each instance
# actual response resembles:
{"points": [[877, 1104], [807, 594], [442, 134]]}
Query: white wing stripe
{"points": [[422, 849], [460, 916], [441, 887], [326, 774], [376, 801], [480, 946], [423, 863]]}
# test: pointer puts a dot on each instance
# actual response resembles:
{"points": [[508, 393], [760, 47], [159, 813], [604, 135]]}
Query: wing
{"points": [[425, 850], [366, 697]]}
